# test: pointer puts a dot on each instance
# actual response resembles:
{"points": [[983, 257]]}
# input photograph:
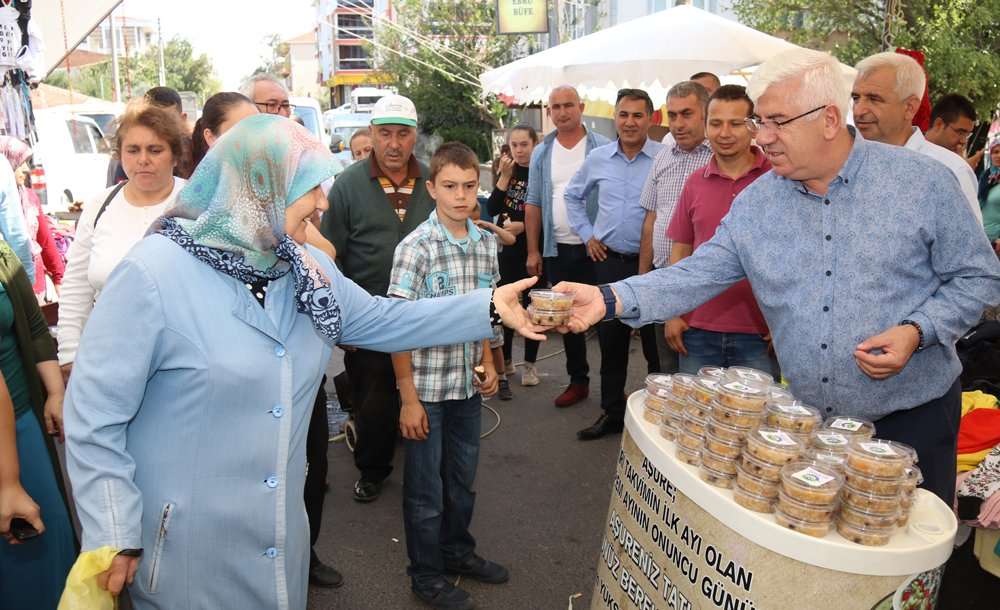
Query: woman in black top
{"points": [[506, 205]]}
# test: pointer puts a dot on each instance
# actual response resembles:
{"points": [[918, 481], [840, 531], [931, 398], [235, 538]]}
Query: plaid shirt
{"points": [[430, 263], [663, 188]]}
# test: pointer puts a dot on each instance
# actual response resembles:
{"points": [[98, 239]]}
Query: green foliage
{"points": [[184, 72], [960, 38], [443, 84]]}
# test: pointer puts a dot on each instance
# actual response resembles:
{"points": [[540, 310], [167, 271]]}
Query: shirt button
{"points": [[822, 345], [829, 409], [279, 351], [826, 201], [271, 482], [829, 273], [271, 552], [278, 411], [825, 379], [825, 308], [829, 237]]}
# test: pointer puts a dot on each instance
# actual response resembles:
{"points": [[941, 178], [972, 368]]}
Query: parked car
{"points": [[75, 154], [341, 130], [363, 98], [308, 109]]}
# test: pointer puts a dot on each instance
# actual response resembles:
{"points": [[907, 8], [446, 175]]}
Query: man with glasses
{"points": [[863, 258], [267, 93], [953, 118], [886, 95], [617, 171]]}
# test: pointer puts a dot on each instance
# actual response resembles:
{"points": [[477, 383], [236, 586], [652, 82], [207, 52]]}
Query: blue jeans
{"points": [[710, 348], [437, 488]]}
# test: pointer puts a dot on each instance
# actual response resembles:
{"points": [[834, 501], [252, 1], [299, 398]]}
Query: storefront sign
{"points": [[522, 16], [661, 551]]}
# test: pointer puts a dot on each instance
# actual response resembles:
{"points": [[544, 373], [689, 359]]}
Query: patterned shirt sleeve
{"points": [[409, 266], [648, 197]]}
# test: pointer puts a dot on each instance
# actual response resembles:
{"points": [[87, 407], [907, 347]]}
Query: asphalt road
{"points": [[542, 497]]}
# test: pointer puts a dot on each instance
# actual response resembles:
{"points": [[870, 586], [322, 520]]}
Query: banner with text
{"points": [[522, 16]]}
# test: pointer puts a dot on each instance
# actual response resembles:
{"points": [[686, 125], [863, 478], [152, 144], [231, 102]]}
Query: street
{"points": [[542, 497]]}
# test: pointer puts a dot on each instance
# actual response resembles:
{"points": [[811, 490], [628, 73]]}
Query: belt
{"points": [[624, 257]]}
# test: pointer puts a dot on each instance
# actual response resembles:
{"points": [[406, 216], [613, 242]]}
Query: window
{"points": [[82, 143], [100, 143], [353, 26], [352, 57]]}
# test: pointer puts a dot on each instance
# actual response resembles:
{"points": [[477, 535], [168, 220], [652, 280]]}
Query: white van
{"points": [[72, 149], [363, 98]]}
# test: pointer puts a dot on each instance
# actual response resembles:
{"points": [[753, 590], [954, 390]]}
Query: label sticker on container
{"points": [[832, 438], [662, 392], [749, 375], [736, 386], [812, 477], [843, 423], [777, 438], [793, 409], [879, 449]]}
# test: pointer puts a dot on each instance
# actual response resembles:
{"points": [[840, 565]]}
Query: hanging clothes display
{"points": [[20, 51]]}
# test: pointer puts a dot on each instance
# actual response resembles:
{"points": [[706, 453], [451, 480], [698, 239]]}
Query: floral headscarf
{"points": [[231, 214], [16, 151]]}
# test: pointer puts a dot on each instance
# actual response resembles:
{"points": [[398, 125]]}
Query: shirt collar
{"points": [[916, 140], [375, 170], [649, 148], [859, 150], [440, 233], [675, 148], [712, 169]]}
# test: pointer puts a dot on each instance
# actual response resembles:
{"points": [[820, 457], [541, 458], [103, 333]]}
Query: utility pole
{"points": [[116, 84], [163, 69], [553, 23]]}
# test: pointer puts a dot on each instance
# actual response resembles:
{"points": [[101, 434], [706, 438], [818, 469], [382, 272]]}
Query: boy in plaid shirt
{"points": [[439, 389]]}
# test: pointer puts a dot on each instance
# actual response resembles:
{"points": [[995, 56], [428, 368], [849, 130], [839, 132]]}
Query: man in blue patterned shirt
{"points": [[865, 259]]}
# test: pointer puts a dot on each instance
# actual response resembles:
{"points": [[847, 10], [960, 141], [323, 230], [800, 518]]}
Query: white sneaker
{"points": [[529, 374], [508, 368]]}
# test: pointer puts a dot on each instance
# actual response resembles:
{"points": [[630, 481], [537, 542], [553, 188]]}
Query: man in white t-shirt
{"points": [[886, 94], [550, 237]]}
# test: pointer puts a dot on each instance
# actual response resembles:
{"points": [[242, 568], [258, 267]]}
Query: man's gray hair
{"points": [[250, 83], [910, 77], [687, 88], [821, 81]]}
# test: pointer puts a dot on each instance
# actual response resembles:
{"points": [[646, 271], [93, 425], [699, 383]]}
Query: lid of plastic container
{"points": [[833, 459], [715, 372], [683, 381], [660, 385], [848, 424], [811, 476], [541, 293], [747, 374], [881, 450], [794, 410], [779, 392], [706, 384], [776, 439], [830, 440], [741, 389]]}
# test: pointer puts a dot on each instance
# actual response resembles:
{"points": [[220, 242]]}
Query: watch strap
{"points": [[609, 302]]}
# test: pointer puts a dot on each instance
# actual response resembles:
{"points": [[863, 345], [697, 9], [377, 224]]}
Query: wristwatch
{"points": [[920, 332], [609, 302]]}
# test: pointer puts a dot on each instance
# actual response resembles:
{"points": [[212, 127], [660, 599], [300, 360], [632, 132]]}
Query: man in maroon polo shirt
{"points": [[728, 330]]}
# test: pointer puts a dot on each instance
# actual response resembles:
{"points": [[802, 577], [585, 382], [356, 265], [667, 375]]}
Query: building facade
{"points": [[346, 28]]}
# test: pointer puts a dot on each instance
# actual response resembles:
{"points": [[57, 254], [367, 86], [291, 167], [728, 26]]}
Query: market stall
{"points": [[675, 538]]}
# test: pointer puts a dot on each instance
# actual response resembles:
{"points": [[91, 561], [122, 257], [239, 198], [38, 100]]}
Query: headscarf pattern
{"points": [[231, 214]]}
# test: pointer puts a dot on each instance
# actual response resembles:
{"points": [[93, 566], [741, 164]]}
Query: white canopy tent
{"points": [[651, 53], [64, 24]]}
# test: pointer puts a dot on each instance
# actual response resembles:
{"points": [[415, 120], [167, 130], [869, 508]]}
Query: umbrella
{"points": [[652, 53]]}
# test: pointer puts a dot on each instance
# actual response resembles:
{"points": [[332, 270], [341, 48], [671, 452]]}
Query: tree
{"points": [[434, 52], [958, 37], [184, 72]]}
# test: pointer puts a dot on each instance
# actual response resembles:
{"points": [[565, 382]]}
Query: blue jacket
{"points": [[540, 186], [187, 414]]}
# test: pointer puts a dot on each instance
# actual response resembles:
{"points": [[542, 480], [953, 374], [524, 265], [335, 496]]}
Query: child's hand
{"points": [[490, 383], [413, 421]]}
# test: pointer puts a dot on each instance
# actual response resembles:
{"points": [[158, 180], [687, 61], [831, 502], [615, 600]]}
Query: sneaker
{"points": [[574, 393], [367, 491], [477, 568], [439, 593], [503, 392], [508, 367], [529, 374]]}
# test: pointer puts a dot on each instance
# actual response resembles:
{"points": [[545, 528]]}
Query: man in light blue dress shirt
{"points": [[618, 171], [865, 259]]}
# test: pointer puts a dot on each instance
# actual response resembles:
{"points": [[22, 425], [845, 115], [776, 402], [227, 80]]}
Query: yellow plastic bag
{"points": [[82, 591]]}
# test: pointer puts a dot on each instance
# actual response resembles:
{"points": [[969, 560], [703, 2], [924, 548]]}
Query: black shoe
{"points": [[603, 426], [322, 575], [440, 593], [503, 393], [477, 568], [367, 491]]}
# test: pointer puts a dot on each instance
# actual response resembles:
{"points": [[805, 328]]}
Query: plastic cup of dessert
{"points": [[870, 502], [725, 431], [703, 390], [811, 482], [877, 457], [551, 300], [660, 385], [834, 459], [778, 392], [868, 536], [849, 425], [682, 384], [759, 468], [689, 440], [737, 418], [548, 317], [862, 518], [816, 513], [667, 429], [716, 477], [862, 481], [716, 461], [723, 446], [773, 445], [751, 483], [830, 440], [694, 424], [655, 402], [752, 501], [697, 409], [912, 476], [817, 529], [793, 417], [688, 456], [651, 414], [743, 395]]}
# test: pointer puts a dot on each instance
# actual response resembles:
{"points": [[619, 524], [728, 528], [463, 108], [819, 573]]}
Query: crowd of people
{"points": [[766, 230]]}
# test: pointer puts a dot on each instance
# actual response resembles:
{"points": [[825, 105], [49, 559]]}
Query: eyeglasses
{"points": [[965, 134], [756, 124], [274, 107]]}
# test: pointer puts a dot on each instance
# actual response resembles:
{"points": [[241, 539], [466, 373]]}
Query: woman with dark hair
{"points": [[506, 205], [221, 111], [149, 143]]}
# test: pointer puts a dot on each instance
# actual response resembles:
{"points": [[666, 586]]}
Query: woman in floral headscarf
{"points": [[191, 394], [989, 193], [48, 261]]}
